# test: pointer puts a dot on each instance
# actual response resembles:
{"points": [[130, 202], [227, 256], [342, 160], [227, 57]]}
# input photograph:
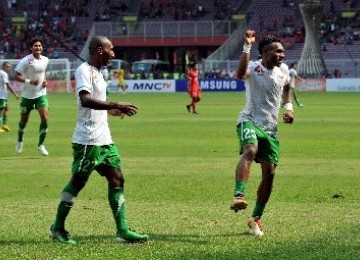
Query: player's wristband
{"points": [[247, 48], [289, 106], [27, 81]]}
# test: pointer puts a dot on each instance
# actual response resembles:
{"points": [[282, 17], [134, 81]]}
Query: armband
{"points": [[247, 48], [27, 81], [289, 106]]}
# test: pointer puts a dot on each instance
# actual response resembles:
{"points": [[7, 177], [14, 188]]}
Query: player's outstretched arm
{"points": [[12, 91], [123, 107]]}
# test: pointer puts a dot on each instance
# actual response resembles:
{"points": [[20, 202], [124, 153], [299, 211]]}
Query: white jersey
{"points": [[4, 79], [264, 88], [293, 74], [92, 125], [105, 73], [32, 68]]}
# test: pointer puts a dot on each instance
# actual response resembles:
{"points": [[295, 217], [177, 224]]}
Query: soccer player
{"points": [[4, 86], [121, 79], [193, 87], [266, 81], [105, 73], [93, 148], [293, 76], [31, 71]]}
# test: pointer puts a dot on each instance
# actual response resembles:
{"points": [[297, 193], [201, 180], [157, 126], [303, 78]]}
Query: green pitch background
{"points": [[179, 171]]}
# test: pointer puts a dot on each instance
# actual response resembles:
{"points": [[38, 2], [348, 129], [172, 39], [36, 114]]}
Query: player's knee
{"points": [[249, 152], [117, 180], [121, 180], [79, 182]]}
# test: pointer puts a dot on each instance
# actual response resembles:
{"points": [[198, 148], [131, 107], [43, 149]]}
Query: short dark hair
{"points": [[36, 39], [95, 42], [192, 64], [6, 63], [293, 64], [266, 40]]}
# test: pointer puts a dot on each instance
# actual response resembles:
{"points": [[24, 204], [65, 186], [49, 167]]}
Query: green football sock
{"points": [[117, 205], [63, 211], [68, 196], [2, 117], [21, 131], [4, 120], [240, 187], [42, 133], [258, 210]]}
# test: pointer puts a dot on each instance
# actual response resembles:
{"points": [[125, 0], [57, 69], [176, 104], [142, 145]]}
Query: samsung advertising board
{"points": [[156, 86], [213, 85], [342, 85]]}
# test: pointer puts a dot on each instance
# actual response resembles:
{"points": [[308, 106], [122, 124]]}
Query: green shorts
{"points": [[26, 105], [268, 146], [3, 103], [88, 158]]}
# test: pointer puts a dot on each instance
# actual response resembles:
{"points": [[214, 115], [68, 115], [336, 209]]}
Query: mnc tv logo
{"points": [[153, 86]]}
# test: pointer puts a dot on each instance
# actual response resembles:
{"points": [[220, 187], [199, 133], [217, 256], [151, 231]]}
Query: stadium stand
{"points": [[68, 23]]}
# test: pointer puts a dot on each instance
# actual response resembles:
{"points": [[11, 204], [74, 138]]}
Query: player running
{"points": [[31, 72]]}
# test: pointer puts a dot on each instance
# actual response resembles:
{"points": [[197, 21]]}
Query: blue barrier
{"points": [[177, 85], [212, 85]]}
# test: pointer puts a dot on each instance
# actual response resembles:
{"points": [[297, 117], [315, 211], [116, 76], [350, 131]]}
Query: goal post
{"points": [[58, 74]]}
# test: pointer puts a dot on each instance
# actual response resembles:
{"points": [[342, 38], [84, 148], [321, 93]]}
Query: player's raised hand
{"points": [[249, 37]]}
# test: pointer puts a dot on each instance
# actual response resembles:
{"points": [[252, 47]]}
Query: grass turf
{"points": [[179, 171]]}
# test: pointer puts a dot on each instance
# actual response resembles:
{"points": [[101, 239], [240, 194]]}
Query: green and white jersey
{"points": [[92, 125], [32, 68], [4, 79], [264, 88], [293, 73]]}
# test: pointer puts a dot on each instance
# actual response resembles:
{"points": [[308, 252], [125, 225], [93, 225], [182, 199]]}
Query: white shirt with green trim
{"points": [[32, 69], [92, 126], [4, 79], [293, 74], [264, 88]]}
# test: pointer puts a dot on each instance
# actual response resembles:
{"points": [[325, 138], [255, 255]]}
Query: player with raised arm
{"points": [[266, 82], [93, 148]]}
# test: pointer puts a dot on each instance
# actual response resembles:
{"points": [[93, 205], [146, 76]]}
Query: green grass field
{"points": [[179, 171]]}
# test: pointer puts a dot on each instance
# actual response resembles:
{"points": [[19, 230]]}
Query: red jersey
{"points": [[193, 88]]}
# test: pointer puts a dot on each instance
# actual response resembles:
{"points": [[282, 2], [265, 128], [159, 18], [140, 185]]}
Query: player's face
{"points": [[275, 55], [107, 53], [37, 48], [7, 68]]}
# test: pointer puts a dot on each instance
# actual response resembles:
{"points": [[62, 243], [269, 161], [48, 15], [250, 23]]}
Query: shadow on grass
{"points": [[16, 158], [172, 238], [186, 238]]}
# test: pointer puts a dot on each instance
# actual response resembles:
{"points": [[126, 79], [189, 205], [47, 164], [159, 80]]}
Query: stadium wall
{"points": [[157, 86]]}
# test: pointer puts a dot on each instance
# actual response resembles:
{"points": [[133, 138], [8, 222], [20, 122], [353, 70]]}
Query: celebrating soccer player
{"points": [[266, 81]]}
